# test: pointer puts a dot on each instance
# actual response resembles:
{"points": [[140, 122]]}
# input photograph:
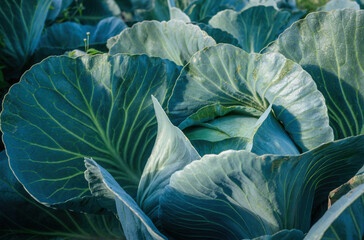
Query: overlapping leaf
{"points": [[67, 36], [98, 106], [231, 77], [173, 40], [135, 222], [238, 194], [21, 25], [344, 220], [22, 217], [254, 27], [329, 46]]}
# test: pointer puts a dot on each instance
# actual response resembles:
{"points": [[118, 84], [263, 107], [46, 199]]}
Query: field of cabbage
{"points": [[182, 119]]}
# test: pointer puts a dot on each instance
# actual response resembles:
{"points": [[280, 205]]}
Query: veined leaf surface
{"points": [[21, 25], [238, 194], [174, 40], [226, 75], [254, 27], [330, 46], [64, 109]]}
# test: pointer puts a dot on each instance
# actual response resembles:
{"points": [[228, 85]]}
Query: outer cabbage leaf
{"points": [[158, 11], [330, 46], [135, 222], [344, 220], [229, 76], [339, 4], [172, 151], [22, 217], [64, 109], [21, 25], [254, 27], [173, 40], [238, 194], [67, 36]]}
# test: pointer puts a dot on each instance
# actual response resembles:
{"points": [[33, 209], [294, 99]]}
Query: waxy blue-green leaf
{"points": [[293, 234], [64, 109], [330, 46], [344, 219], [172, 151], [22, 217], [203, 10], [254, 27], [136, 224], [269, 137], [67, 36], [56, 8], [237, 194], [174, 40], [218, 35], [226, 75], [21, 25], [339, 4]]}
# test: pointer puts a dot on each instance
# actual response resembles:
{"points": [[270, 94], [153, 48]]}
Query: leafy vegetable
{"points": [[100, 107], [328, 46]]}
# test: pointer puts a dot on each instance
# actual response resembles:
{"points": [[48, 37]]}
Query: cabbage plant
{"points": [[212, 124]]}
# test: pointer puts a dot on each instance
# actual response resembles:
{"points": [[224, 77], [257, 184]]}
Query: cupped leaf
{"points": [[344, 220], [330, 46], [238, 194], [67, 36], [173, 40], [64, 109], [269, 137], [22, 217], [339, 4], [293, 234], [229, 76], [136, 224], [172, 151], [254, 27], [21, 25]]}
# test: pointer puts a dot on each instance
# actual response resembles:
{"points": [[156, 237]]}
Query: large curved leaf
{"points": [[174, 40], [21, 25], [330, 46], [171, 152], [238, 194], [135, 222], [339, 4], [67, 36], [229, 76], [254, 27], [22, 217], [98, 106], [344, 220]]}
